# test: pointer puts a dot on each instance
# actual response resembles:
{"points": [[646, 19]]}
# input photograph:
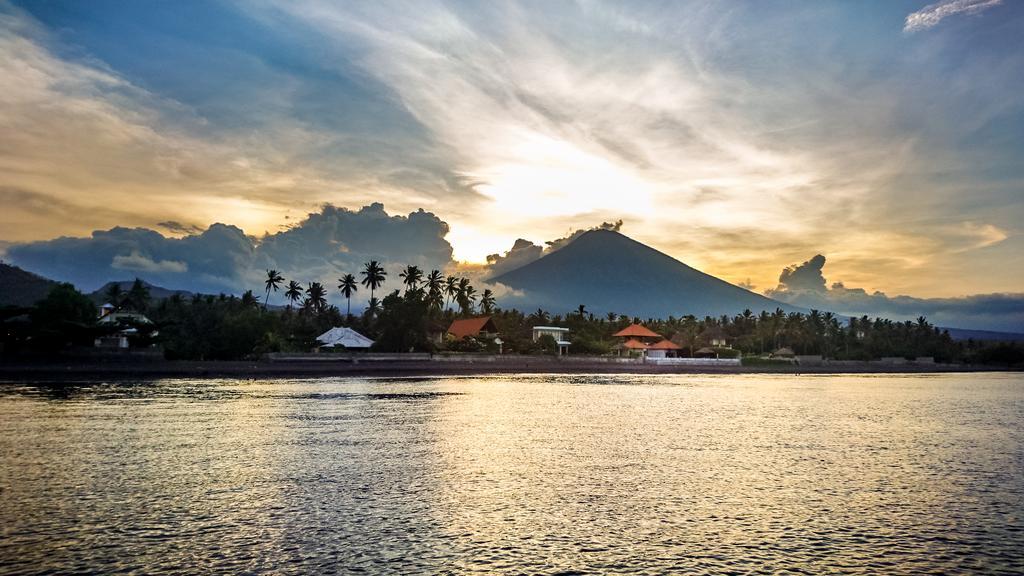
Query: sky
{"points": [[740, 137]]}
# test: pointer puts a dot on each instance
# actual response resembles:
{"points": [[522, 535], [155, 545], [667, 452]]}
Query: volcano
{"points": [[610, 272]]}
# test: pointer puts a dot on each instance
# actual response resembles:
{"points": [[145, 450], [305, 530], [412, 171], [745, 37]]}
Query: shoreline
{"points": [[57, 371]]}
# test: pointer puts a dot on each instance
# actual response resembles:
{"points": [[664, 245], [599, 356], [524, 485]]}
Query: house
{"points": [[636, 338], [342, 337], [480, 328], [714, 337], [122, 324], [561, 336], [663, 349]]}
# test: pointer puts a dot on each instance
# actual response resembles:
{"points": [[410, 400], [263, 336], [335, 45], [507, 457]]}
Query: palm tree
{"points": [[451, 289], [272, 282], [373, 308], [411, 277], [316, 297], [487, 301], [293, 293], [347, 285], [373, 276], [582, 310], [249, 300], [435, 289], [115, 294]]}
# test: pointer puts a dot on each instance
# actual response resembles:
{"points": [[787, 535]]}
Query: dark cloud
{"points": [[805, 286], [176, 227], [806, 276], [523, 251], [224, 258]]}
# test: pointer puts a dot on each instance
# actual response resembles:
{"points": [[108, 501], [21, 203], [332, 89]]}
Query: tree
{"points": [[487, 301], [411, 277], [115, 294], [451, 289], [293, 293], [373, 276], [347, 285], [249, 300], [316, 300], [465, 295], [582, 310], [435, 289], [137, 298], [373, 307], [272, 282]]}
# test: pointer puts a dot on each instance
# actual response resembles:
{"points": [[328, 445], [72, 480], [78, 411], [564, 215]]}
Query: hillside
{"points": [[21, 288], [155, 292], [609, 272]]}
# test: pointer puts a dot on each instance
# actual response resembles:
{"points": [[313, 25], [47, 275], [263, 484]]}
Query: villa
{"points": [[638, 339], [559, 334], [480, 328], [342, 337]]}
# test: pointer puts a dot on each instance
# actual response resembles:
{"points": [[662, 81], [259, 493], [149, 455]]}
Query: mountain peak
{"points": [[610, 272]]}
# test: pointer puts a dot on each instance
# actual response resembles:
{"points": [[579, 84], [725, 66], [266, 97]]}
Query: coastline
{"points": [[56, 371]]}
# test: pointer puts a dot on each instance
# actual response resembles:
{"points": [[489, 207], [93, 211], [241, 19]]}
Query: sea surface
{"points": [[866, 474]]}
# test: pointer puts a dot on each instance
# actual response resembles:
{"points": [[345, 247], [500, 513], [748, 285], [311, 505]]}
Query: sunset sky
{"points": [[739, 137]]}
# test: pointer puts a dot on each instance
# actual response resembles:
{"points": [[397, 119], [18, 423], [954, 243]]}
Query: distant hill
{"points": [[609, 272], [22, 288], [984, 335], [155, 292]]}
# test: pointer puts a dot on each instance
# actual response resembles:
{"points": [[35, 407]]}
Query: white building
{"points": [[560, 335], [346, 337]]}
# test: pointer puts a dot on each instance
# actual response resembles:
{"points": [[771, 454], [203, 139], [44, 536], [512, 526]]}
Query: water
{"points": [[874, 474]]}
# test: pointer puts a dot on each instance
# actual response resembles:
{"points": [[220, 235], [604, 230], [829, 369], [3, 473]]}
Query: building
{"points": [[481, 328], [561, 336], [347, 338], [663, 349], [714, 337], [636, 339], [122, 326]]}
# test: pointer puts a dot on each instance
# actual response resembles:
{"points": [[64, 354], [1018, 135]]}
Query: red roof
{"points": [[471, 327], [636, 331], [666, 345], [634, 344]]}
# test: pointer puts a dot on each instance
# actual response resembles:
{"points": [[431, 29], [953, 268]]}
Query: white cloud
{"points": [[141, 263], [932, 14]]}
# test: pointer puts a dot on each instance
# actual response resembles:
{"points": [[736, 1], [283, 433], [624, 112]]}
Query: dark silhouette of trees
{"points": [[273, 282], [373, 276], [293, 293], [347, 285]]}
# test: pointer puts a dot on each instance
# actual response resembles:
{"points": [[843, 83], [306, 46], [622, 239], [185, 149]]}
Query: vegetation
{"points": [[416, 318]]}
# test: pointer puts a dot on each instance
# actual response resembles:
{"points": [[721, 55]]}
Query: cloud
{"points": [[806, 276], [804, 285], [523, 251], [138, 263], [932, 14], [176, 227], [321, 247]]}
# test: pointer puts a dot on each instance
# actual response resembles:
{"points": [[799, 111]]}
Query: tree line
{"points": [[415, 317]]}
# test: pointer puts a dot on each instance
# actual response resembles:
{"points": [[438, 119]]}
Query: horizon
{"points": [[851, 158]]}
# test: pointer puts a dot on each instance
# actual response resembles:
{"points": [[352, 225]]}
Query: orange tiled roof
{"points": [[636, 331], [665, 345], [634, 344], [471, 327]]}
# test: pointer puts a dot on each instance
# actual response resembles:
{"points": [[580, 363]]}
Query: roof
{"points": [[705, 351], [471, 326], [634, 344], [341, 336], [116, 317], [551, 328], [665, 345], [636, 331]]}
